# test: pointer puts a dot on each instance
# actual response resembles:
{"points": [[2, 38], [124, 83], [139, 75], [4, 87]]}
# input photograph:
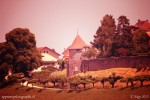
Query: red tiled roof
{"points": [[143, 25], [78, 43], [146, 26], [139, 23], [41, 48]]}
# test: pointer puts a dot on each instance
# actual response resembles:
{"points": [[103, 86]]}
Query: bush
{"points": [[42, 77], [75, 81], [49, 68], [142, 79], [54, 79], [103, 80], [93, 80], [84, 80], [62, 79], [128, 80], [15, 77]]}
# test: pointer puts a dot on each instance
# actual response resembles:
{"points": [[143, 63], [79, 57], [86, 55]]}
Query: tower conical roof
{"points": [[78, 43]]}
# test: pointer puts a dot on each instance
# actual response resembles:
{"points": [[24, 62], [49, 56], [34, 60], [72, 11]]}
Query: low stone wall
{"points": [[114, 62]]}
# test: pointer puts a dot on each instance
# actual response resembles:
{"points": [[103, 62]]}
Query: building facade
{"points": [[49, 56], [73, 55]]}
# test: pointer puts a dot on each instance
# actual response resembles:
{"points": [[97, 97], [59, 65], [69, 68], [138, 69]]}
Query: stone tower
{"points": [[73, 52]]}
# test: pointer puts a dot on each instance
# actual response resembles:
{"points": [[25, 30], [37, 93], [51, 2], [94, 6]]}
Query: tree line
{"points": [[118, 40]]}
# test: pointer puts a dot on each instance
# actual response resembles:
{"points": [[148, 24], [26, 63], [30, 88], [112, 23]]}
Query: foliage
{"points": [[84, 80], [4, 68], [93, 80], [75, 81], [61, 63], [122, 39], [62, 79], [122, 51], [128, 80], [102, 80], [19, 51], [54, 79], [141, 42], [15, 77], [142, 78], [104, 36], [92, 52], [42, 76], [113, 79], [49, 68], [131, 80]]}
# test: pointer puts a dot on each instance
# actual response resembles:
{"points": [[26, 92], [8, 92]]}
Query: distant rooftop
{"points": [[41, 48], [143, 25]]}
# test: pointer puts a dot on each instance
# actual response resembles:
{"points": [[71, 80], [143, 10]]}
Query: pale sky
{"points": [[55, 22]]}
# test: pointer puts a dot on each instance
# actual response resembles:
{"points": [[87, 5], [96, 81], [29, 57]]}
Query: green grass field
{"points": [[140, 93]]}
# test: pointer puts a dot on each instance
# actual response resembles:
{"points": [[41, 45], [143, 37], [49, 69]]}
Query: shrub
{"points": [[93, 80], [128, 80], [113, 79], [84, 80], [75, 81], [42, 77], [49, 68], [15, 77], [62, 79], [142, 79], [54, 79]]}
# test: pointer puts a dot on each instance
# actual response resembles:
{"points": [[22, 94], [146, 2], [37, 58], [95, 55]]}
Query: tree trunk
{"points": [[75, 87], [103, 85], [62, 84], [93, 85], [113, 85], [141, 83], [70, 85], [127, 84], [84, 84], [132, 84], [54, 84]]}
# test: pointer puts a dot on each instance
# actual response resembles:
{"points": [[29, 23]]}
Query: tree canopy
{"points": [[19, 51], [141, 42], [104, 36], [119, 40], [122, 39]]}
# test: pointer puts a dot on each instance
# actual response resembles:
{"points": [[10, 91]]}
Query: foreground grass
{"points": [[90, 94]]}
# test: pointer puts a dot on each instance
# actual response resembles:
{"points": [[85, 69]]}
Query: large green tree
{"points": [[103, 38], [122, 39], [19, 51]]}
